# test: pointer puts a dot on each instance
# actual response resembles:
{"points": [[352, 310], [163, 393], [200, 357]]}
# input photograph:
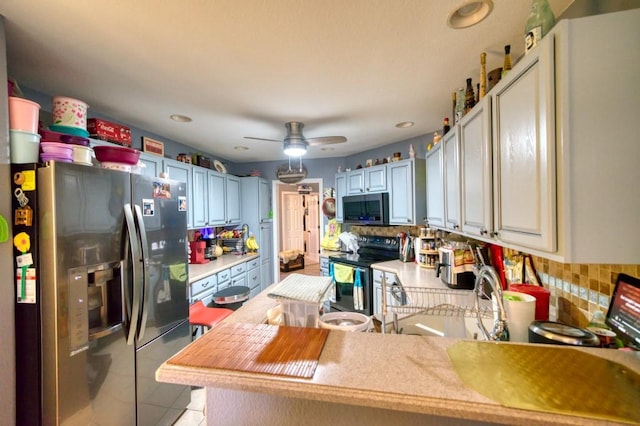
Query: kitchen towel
{"points": [[358, 303], [343, 273], [303, 288]]}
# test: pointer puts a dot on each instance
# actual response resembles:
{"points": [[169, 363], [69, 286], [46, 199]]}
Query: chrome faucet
{"points": [[485, 274]]}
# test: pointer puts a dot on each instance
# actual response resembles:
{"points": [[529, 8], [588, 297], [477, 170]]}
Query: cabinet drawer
{"points": [[224, 277], [205, 296], [253, 278], [253, 263], [240, 280], [238, 269], [204, 284], [324, 262]]}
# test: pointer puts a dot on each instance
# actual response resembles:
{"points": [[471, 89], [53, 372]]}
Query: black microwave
{"points": [[369, 209]]}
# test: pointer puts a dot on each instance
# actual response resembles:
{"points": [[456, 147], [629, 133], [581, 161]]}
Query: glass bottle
{"points": [[540, 21], [469, 97], [453, 105], [446, 127], [506, 67], [459, 112], [483, 75]]}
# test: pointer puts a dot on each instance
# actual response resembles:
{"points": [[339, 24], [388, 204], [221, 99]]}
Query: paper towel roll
{"points": [[521, 308]]}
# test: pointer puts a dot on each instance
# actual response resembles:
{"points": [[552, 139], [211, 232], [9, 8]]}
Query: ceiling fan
{"points": [[295, 144]]}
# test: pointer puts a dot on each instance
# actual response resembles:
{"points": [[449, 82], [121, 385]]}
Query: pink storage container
{"points": [[69, 112], [23, 114]]}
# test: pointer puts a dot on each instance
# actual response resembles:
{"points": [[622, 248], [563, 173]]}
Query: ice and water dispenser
{"points": [[95, 303]]}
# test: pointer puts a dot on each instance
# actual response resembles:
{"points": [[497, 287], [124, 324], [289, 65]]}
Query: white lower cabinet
{"points": [[204, 290], [324, 266], [253, 276]]}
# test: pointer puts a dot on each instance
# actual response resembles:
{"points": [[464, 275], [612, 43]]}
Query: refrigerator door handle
{"points": [[145, 275], [132, 303]]}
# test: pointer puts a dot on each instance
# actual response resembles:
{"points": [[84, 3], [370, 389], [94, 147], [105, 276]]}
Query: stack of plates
{"points": [[56, 151]]}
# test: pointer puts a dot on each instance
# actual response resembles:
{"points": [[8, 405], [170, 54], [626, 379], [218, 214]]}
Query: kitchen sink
{"points": [[443, 326]]}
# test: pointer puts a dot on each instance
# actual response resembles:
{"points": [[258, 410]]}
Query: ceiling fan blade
{"points": [[326, 140], [263, 139]]}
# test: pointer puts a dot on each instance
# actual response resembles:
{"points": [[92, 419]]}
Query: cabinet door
{"points": [[152, 164], [401, 193], [216, 199], [355, 182], [524, 153], [435, 186], [266, 267], [182, 172], [450, 147], [341, 190], [232, 185], [475, 170], [253, 279], [375, 179], [264, 195], [199, 199]]}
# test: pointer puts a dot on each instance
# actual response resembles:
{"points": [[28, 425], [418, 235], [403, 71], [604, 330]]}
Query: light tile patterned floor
{"points": [[194, 414]]}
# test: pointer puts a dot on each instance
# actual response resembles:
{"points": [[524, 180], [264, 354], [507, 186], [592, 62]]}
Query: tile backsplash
{"points": [[578, 290]]}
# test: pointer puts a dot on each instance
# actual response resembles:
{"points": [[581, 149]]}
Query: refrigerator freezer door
{"points": [[161, 403], [162, 220], [81, 220]]}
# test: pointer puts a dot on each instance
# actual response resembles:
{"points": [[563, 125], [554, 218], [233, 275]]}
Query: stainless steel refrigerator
{"points": [[113, 274]]}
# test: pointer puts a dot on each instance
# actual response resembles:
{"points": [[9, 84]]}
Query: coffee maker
{"points": [[209, 251]]}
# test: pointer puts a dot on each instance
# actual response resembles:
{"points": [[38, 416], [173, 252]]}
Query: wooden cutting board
{"points": [[257, 348]]}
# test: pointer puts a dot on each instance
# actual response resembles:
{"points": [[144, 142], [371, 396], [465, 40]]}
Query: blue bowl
{"points": [[75, 131]]}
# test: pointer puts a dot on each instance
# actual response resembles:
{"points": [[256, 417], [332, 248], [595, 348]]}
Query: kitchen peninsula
{"points": [[364, 378]]}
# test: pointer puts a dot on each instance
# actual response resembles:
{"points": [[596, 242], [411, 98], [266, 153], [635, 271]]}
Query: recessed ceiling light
{"points": [[240, 148], [180, 118], [404, 124], [469, 13]]}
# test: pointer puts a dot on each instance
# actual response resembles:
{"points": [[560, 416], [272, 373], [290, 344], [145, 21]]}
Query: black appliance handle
{"points": [[142, 234], [132, 289]]}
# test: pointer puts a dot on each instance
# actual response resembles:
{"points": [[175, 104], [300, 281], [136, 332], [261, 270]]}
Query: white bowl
{"points": [[116, 166], [82, 154], [345, 321]]}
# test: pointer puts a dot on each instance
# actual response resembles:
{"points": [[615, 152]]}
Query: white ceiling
{"points": [[245, 67]]}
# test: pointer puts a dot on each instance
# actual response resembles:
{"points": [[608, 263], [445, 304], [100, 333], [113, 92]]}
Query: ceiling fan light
{"points": [[293, 149]]}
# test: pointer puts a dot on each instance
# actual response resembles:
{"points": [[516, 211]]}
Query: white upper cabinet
{"points": [[524, 167], [234, 200], [341, 190], [199, 199], [367, 180], [475, 170], [451, 150], [407, 192], [435, 186], [556, 174], [217, 197]]}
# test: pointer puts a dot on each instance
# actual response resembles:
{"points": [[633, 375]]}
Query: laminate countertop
{"points": [[198, 271], [371, 371]]}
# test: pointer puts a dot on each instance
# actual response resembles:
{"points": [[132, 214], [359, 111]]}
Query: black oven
{"points": [[353, 276], [352, 294]]}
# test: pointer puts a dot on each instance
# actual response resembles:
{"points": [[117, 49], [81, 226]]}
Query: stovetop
{"points": [[372, 249]]}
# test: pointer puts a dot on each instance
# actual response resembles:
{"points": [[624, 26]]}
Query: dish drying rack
{"points": [[430, 301]]}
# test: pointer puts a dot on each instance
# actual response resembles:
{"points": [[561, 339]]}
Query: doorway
{"points": [[298, 220]]}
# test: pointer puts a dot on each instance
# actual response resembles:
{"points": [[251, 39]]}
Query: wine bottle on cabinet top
{"points": [[469, 97], [446, 127], [506, 67], [483, 75]]}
